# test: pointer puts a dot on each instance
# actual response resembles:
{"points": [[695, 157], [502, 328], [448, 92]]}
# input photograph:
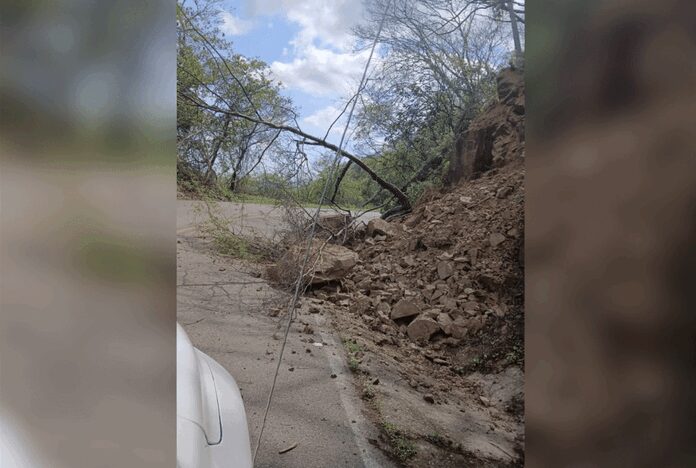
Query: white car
{"points": [[211, 426]]}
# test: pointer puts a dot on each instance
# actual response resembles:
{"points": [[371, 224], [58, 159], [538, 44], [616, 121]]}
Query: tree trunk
{"points": [[216, 148], [235, 174], [515, 31]]}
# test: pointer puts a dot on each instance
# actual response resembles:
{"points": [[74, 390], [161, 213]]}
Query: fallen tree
{"points": [[309, 139]]}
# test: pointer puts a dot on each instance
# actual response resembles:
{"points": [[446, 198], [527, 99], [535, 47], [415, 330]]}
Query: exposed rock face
{"points": [[496, 136]]}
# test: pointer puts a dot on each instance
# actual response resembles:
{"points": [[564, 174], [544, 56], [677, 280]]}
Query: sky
{"points": [[309, 48]]}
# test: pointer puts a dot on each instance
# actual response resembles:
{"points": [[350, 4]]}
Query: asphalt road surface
{"points": [[225, 311]]}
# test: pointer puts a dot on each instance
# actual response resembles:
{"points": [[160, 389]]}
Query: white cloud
{"points": [[319, 59], [322, 72], [323, 117], [233, 25], [327, 21]]}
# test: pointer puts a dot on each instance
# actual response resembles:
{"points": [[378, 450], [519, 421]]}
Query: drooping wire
{"points": [[315, 221]]}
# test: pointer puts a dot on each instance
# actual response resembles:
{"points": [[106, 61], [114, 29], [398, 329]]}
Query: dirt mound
{"points": [[455, 266], [436, 309], [435, 303]]}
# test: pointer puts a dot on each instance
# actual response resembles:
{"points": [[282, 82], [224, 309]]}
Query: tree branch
{"points": [[394, 190]]}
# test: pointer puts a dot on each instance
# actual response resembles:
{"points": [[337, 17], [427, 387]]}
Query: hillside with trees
{"points": [[238, 134]]}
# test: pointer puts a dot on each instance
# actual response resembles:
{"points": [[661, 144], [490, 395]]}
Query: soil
{"points": [[471, 235], [434, 309]]}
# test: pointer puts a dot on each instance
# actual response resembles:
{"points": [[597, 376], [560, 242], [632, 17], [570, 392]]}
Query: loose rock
{"points": [[422, 328], [379, 227], [496, 239], [444, 270], [403, 309]]}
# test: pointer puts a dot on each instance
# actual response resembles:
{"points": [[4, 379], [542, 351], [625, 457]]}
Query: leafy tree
{"points": [[210, 143]]}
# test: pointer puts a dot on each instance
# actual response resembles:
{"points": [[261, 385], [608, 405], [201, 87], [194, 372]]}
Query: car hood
{"points": [[196, 397]]}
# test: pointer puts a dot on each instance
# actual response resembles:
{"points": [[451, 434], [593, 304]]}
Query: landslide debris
{"points": [[449, 277], [436, 297], [434, 300]]}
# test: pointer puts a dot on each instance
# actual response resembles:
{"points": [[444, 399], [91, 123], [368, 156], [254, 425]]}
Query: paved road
{"points": [[248, 218], [225, 311]]}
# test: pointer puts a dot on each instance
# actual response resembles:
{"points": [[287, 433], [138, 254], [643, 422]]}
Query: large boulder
{"points": [[326, 262]]}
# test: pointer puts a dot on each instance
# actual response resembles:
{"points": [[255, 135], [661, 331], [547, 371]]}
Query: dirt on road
{"points": [[237, 318]]}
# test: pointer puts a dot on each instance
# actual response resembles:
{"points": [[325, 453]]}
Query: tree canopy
{"points": [[435, 72]]}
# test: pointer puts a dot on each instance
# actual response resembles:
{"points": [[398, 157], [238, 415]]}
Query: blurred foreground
{"points": [[87, 330], [610, 233]]}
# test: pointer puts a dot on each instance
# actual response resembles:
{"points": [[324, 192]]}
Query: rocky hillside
{"points": [[496, 137], [436, 298], [450, 274]]}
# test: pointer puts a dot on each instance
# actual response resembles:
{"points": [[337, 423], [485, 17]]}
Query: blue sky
{"points": [[309, 48]]}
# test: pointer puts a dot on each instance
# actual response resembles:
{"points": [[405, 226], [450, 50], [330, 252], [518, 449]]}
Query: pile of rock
{"points": [[449, 273]]}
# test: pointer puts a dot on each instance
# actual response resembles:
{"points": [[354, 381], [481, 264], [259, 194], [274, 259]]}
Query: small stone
{"points": [[429, 398], [444, 320], [496, 239], [422, 328], [503, 192], [403, 309], [378, 226], [333, 376], [458, 329], [292, 369], [444, 270]]}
